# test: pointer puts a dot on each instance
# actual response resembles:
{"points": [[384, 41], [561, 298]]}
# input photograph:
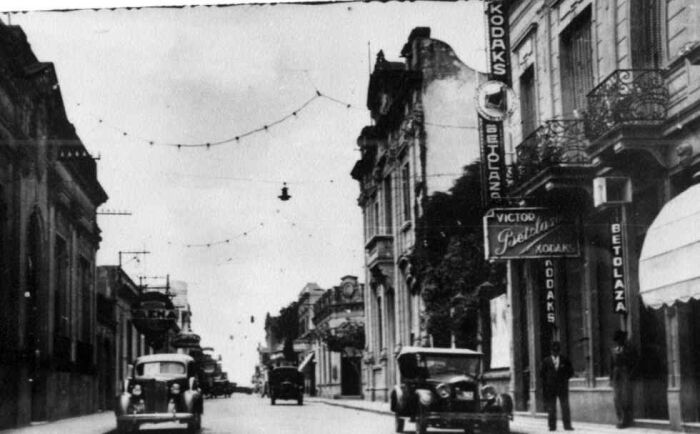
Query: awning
{"points": [[309, 357], [669, 266]]}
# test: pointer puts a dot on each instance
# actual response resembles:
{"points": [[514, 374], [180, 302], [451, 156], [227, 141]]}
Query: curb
{"points": [[354, 407]]}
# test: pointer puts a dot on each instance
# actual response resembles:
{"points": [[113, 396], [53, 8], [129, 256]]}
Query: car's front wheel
{"points": [[195, 425], [398, 423], [126, 427], [300, 400], [272, 400], [422, 421]]}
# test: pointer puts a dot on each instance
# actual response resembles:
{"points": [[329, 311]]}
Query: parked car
{"points": [[286, 382], [244, 389], [160, 388], [443, 387]]}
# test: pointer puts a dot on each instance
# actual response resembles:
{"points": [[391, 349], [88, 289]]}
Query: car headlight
{"points": [[136, 390], [443, 390]]}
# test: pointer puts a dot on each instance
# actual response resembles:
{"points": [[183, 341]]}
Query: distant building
{"points": [[423, 134], [339, 319], [49, 193], [118, 341], [306, 339]]}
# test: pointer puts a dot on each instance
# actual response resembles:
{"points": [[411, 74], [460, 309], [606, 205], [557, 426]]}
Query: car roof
{"points": [[169, 357], [433, 350]]}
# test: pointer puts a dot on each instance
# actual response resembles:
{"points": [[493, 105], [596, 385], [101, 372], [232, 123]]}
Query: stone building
{"points": [[607, 130], [48, 238], [339, 316], [118, 342], [422, 136]]}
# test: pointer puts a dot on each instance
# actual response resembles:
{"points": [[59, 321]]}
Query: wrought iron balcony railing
{"points": [[626, 97], [557, 142]]}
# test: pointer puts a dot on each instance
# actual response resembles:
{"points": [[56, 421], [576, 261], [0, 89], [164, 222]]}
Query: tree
{"points": [[449, 259]]}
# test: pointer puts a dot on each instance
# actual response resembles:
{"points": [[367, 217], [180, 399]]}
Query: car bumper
{"points": [[156, 417], [456, 418]]}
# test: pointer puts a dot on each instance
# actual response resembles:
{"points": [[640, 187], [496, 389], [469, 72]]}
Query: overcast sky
{"points": [[204, 74]]}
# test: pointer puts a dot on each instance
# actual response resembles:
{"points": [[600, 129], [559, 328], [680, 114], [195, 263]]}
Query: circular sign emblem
{"points": [[494, 100]]}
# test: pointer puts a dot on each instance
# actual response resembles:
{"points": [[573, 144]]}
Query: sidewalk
{"points": [[522, 422]]}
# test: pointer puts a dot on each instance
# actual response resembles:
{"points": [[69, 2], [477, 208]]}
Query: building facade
{"points": [[422, 136], [118, 342], [339, 317], [305, 341], [48, 238], [606, 129]]}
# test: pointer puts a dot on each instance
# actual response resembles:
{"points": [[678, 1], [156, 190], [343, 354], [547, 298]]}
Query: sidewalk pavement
{"points": [[522, 422]]}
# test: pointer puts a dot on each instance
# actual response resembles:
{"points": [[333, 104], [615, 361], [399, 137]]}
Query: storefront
{"points": [[669, 281]]}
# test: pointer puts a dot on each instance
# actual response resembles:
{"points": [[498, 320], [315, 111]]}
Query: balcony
{"points": [[557, 149], [628, 99], [379, 249]]}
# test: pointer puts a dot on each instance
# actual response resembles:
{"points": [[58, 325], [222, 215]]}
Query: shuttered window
{"points": [[528, 102]]}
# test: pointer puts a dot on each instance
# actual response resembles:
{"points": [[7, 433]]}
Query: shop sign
{"points": [[529, 233], [618, 264], [495, 102], [550, 292], [153, 313]]}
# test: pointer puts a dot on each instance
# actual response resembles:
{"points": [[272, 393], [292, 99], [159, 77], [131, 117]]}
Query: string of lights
{"points": [[220, 241], [264, 128]]}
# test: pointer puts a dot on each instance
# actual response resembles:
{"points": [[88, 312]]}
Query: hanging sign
{"points": [[550, 298], [530, 233], [153, 313], [618, 264], [495, 102]]}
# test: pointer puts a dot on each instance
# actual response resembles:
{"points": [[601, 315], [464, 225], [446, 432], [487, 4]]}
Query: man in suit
{"points": [[555, 373]]}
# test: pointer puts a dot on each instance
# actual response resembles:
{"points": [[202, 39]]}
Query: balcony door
{"points": [[576, 64]]}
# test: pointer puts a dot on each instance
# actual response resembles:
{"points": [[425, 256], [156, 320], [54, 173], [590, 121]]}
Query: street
{"points": [[251, 414]]}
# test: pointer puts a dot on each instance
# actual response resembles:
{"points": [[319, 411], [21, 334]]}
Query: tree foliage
{"points": [[449, 258], [285, 328], [351, 334]]}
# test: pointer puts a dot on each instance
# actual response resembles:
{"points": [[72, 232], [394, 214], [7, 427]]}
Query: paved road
{"points": [[250, 414]]}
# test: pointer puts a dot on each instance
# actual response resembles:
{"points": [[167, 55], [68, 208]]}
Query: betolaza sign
{"points": [[529, 233]]}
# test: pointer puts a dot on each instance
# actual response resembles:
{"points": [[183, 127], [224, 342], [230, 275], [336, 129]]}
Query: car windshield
{"points": [[160, 368], [438, 365]]}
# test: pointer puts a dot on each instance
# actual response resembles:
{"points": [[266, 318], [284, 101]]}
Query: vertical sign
{"points": [[497, 25], [618, 263], [550, 293], [493, 100]]}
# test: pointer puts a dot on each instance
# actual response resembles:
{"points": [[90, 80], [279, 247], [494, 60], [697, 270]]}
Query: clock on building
{"points": [[349, 289]]}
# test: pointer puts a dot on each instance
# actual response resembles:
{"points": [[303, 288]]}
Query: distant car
{"points": [[160, 388], [441, 387], [286, 383], [244, 389]]}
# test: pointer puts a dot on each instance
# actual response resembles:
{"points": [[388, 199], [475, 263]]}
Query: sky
{"points": [[210, 216]]}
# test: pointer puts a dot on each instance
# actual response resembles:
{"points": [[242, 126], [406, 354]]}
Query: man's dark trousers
{"points": [[550, 403]]}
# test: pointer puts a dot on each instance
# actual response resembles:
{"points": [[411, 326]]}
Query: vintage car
{"points": [[160, 388], [443, 387], [286, 382]]}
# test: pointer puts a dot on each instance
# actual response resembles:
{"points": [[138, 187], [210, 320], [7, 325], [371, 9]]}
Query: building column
{"points": [[674, 367], [514, 303], [533, 336]]}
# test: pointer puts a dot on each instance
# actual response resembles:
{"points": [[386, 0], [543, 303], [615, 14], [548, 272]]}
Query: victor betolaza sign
{"points": [[530, 233], [495, 102]]}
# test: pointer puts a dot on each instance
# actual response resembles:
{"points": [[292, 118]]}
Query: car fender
{"points": [[425, 397], [399, 400], [122, 404]]}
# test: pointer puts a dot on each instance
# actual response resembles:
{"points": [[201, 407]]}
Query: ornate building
{"points": [[48, 238], [607, 130], [423, 134]]}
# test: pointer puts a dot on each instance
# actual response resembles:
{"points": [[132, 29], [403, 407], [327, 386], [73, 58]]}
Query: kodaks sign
{"points": [[529, 233], [495, 101]]}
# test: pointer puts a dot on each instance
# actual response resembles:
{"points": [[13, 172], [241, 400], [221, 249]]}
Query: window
{"points": [[160, 368], [388, 207], [528, 101], [646, 32], [61, 287], [85, 300], [575, 52], [406, 191]]}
